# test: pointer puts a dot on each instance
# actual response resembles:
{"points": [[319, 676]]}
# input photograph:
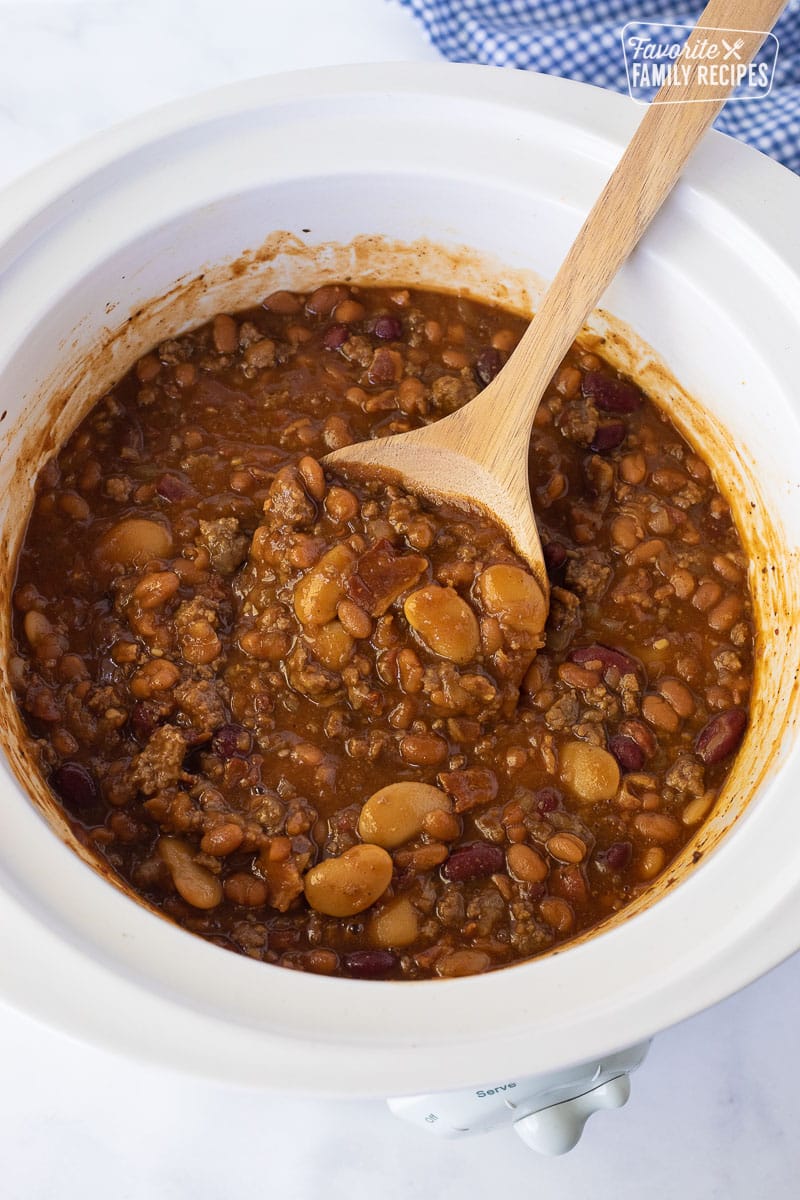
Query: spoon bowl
{"points": [[449, 459], [478, 456]]}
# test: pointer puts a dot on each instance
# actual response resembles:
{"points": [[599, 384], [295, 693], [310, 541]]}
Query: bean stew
{"points": [[326, 724]]}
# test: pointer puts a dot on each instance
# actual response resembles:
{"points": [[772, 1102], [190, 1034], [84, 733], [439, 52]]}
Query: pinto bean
{"points": [[340, 504], [313, 477], [566, 847], [156, 675], [723, 616], [353, 618], [225, 334], [222, 840], [462, 962], [441, 825], [633, 468], [46, 641], [657, 827], [418, 859], [156, 588], [651, 862], [265, 645], [678, 696], [526, 864], [325, 299], [660, 714], [557, 913], [707, 595], [245, 889], [199, 643], [423, 749], [696, 810], [625, 532], [283, 303]]}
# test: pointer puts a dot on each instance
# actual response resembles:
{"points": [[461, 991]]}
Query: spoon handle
{"points": [[669, 131]]}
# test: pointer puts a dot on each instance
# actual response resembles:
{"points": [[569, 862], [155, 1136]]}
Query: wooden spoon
{"points": [[479, 455]]}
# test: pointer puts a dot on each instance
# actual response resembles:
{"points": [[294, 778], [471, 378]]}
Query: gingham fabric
{"points": [[580, 39]]}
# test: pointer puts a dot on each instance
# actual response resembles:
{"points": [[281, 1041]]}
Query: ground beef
{"points": [[160, 763], [226, 545], [564, 713], [564, 620], [288, 500], [471, 788], [359, 350], [202, 704], [579, 420], [686, 775], [449, 393], [588, 574], [451, 908]]}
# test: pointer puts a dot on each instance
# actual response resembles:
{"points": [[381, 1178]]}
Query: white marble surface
{"points": [[714, 1110]]}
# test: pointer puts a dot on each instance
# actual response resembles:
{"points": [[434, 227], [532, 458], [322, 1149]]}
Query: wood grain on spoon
{"points": [[479, 455]]}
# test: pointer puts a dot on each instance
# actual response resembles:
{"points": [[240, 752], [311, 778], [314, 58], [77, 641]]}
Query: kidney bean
{"points": [[608, 656], [547, 799], [628, 753], [473, 861], [721, 736], [370, 964], [172, 488], [608, 437], [144, 719], [232, 741], [76, 787], [335, 336], [641, 734], [487, 365], [611, 395], [555, 555], [388, 329], [617, 855]]}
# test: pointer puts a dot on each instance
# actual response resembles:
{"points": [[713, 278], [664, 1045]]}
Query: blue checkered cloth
{"points": [[581, 39]]}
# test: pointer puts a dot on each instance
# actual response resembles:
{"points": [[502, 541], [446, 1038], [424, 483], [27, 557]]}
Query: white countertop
{"points": [[713, 1110]]}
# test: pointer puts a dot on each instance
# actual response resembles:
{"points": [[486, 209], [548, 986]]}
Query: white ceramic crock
{"points": [[431, 160]]}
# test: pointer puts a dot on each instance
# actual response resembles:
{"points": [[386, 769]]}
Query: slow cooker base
{"points": [[548, 1112]]}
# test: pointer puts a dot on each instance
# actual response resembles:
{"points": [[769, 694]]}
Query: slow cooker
{"points": [[458, 177]]}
